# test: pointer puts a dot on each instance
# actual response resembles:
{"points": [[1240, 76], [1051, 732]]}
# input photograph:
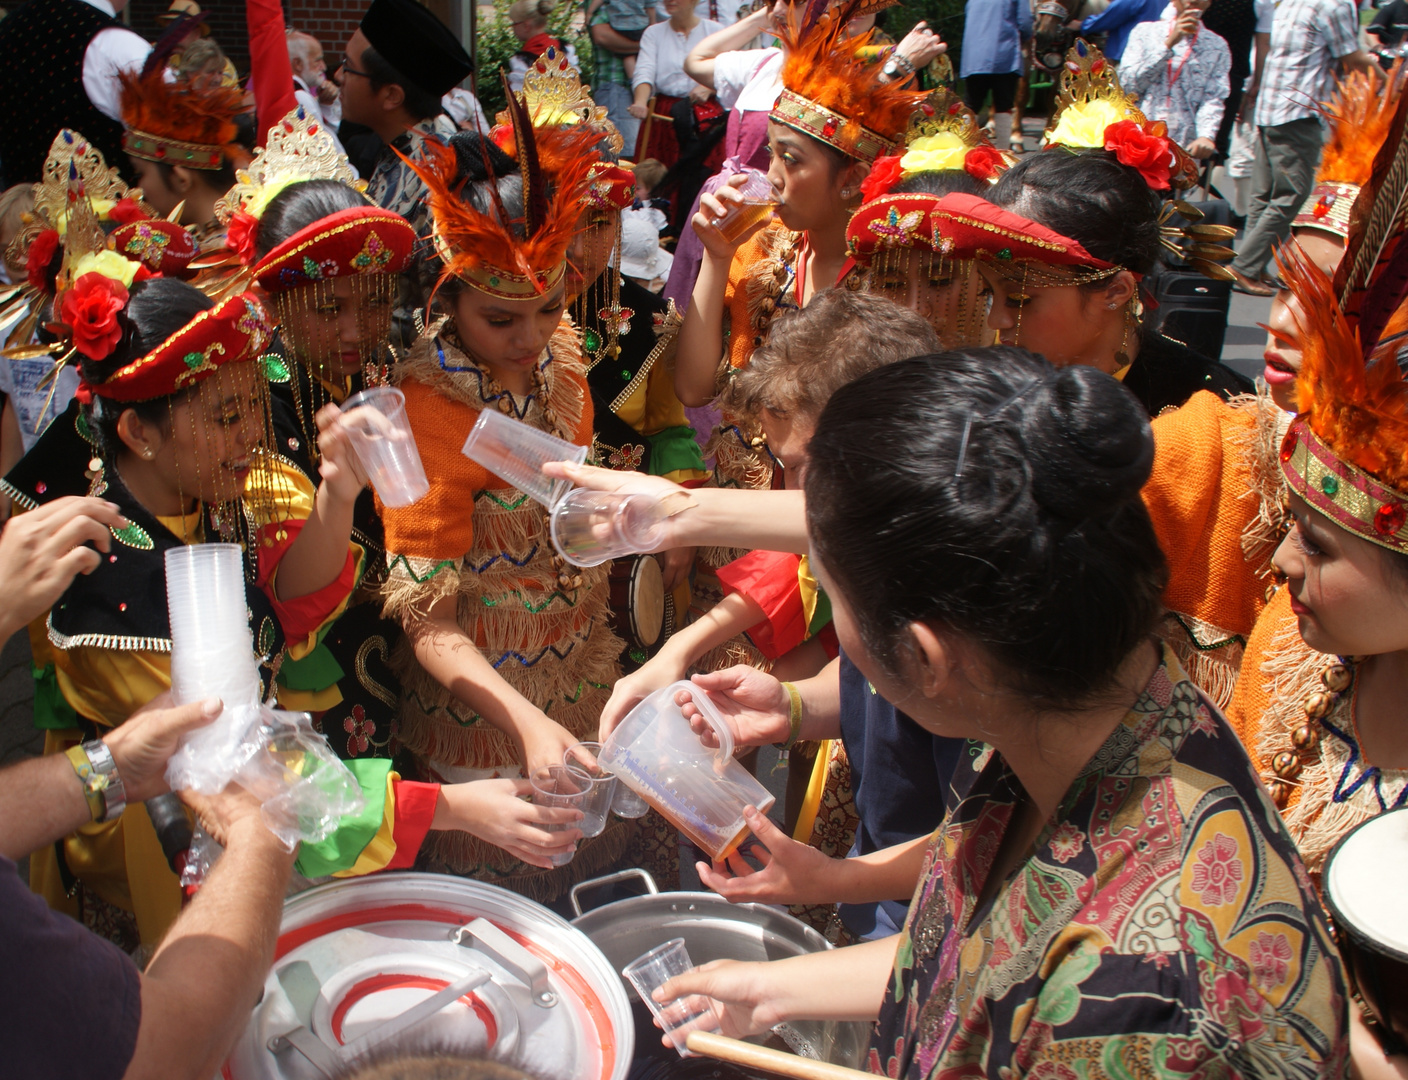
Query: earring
{"points": [[147, 453], [1112, 306]]}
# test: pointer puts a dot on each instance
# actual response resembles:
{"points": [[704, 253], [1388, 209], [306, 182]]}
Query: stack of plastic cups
{"points": [[516, 452], [212, 651]]}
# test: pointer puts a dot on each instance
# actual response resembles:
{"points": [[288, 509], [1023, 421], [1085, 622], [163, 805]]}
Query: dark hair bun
{"points": [[480, 158], [1088, 441]]}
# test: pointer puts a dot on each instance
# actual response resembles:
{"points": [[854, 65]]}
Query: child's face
{"points": [[788, 436], [642, 190]]}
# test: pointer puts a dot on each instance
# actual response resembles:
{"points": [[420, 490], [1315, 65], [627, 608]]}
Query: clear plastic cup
{"points": [[759, 201], [590, 527], [627, 804], [381, 436], [703, 791], [582, 758], [212, 649], [683, 1015], [558, 785], [516, 452]]}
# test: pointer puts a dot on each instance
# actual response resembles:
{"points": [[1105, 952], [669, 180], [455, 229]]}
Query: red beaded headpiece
{"points": [[234, 331]]}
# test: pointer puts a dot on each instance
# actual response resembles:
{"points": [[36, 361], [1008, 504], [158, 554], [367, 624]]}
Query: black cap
{"points": [[417, 44]]}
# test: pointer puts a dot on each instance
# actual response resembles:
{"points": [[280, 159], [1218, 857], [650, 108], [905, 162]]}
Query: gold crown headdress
{"points": [[1093, 112], [63, 239], [299, 148]]}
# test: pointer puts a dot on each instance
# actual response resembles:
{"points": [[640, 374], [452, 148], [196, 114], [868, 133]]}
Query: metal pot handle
{"points": [[608, 879]]}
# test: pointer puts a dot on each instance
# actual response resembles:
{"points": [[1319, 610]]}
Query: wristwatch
{"points": [[100, 779]]}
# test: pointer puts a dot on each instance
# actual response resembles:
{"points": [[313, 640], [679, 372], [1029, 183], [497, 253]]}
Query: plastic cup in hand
{"points": [[212, 649], [381, 436], [683, 1015], [759, 201], [581, 757], [627, 804], [558, 785], [516, 452], [590, 527]]}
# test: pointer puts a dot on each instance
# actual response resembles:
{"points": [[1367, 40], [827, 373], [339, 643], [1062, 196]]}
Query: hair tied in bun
{"points": [[993, 415], [1089, 443]]}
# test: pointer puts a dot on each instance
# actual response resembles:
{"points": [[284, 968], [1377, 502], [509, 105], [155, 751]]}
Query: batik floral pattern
{"points": [[1162, 927]]}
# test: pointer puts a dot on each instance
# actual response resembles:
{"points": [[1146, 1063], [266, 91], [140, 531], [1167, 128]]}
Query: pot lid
{"points": [[432, 962]]}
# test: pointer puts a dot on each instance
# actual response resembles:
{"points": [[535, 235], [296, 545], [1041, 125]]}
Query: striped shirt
{"points": [[1307, 38]]}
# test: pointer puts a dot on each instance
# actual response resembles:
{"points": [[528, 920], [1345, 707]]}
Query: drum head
{"points": [[1366, 881], [647, 600]]}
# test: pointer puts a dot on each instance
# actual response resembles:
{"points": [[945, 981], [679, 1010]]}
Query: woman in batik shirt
{"points": [[1111, 889]]}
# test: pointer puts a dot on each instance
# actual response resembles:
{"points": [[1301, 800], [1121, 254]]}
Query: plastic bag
{"points": [[303, 787], [210, 757]]}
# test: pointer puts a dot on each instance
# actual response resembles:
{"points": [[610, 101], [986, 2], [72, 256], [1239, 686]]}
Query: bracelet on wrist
{"points": [[795, 715], [96, 770]]}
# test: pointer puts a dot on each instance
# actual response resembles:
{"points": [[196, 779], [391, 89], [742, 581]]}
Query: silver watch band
{"points": [[114, 793]]}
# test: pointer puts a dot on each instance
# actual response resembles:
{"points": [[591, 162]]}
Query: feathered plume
{"points": [[1357, 406], [535, 194], [1359, 114], [200, 110], [825, 66], [165, 46], [1372, 279], [469, 240]]}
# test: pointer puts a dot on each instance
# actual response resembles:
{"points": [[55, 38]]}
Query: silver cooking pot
{"points": [[416, 960], [714, 929]]}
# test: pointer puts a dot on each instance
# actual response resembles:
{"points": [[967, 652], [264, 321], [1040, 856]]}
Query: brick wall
{"points": [[330, 21]]}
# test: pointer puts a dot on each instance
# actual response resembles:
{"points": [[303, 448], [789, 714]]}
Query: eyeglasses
{"points": [[347, 67]]}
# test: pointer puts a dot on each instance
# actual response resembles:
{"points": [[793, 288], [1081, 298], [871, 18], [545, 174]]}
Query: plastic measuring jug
{"points": [[702, 791]]}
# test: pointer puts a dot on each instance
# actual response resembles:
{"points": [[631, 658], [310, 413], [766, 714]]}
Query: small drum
{"points": [[1366, 889], [638, 602]]}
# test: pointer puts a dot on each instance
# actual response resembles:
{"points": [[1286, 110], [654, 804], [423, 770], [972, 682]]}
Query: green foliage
{"points": [[945, 18], [495, 43]]}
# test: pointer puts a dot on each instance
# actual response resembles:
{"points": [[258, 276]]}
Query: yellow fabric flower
{"points": [[934, 153], [1084, 125], [108, 263], [265, 195], [101, 207]]}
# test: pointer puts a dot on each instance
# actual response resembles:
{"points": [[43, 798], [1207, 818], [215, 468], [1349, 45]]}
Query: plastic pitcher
{"points": [[702, 791]]}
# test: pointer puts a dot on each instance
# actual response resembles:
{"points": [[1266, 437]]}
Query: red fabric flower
{"points": [[1141, 149], [983, 162], [126, 211], [884, 175], [40, 257], [504, 140], [90, 308], [240, 235]]}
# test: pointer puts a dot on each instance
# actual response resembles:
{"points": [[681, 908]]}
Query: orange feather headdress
{"points": [[189, 122], [1359, 114], [1346, 454], [524, 257], [833, 90]]}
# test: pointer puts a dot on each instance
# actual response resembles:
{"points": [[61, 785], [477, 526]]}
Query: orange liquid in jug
{"points": [[744, 218], [704, 842]]}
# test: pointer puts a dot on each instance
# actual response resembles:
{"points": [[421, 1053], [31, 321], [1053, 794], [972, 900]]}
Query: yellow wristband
{"points": [[92, 788], [795, 716]]}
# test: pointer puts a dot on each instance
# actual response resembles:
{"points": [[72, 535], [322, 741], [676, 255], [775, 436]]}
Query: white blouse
{"points": [[660, 61]]}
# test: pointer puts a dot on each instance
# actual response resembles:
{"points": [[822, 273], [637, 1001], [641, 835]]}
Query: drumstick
{"points": [[774, 1061]]}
